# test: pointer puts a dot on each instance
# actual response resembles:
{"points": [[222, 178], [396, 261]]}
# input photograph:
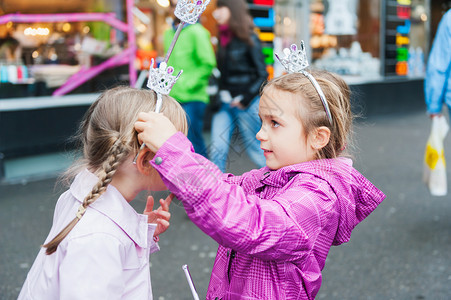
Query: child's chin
{"points": [[272, 167]]}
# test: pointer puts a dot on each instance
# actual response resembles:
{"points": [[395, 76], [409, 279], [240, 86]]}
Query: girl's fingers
{"points": [[144, 116], [139, 126], [164, 225], [166, 202], [142, 122], [140, 137], [163, 214], [149, 204]]}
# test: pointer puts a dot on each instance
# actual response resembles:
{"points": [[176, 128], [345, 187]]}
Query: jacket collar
{"points": [[276, 178], [280, 177], [113, 205]]}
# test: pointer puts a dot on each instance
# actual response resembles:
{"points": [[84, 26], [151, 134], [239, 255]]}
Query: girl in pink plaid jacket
{"points": [[274, 225]]}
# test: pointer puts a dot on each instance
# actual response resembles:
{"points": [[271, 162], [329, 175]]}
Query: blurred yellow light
{"points": [[9, 24], [163, 3], [35, 54], [141, 28], [66, 27], [36, 31], [86, 29]]}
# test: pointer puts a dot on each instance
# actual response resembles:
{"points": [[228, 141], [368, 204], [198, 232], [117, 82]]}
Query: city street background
{"points": [[401, 251]]}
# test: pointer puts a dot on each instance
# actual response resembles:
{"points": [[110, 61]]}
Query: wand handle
{"points": [[190, 282], [166, 58], [174, 40]]}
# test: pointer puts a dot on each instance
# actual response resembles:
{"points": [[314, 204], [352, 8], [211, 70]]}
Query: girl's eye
{"points": [[274, 124]]}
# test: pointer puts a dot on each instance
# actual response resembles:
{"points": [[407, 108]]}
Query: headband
{"points": [[295, 61]]}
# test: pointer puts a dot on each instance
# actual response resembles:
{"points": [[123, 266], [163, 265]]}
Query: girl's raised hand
{"points": [[159, 216], [154, 129]]}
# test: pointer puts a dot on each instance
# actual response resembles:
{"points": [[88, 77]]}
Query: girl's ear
{"points": [[142, 162], [320, 138]]}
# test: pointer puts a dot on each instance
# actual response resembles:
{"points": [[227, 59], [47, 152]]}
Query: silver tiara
{"points": [[161, 79], [295, 61], [189, 11]]}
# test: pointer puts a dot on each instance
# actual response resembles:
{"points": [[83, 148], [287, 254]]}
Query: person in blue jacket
{"points": [[437, 84]]}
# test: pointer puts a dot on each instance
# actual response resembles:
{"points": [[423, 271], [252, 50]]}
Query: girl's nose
{"points": [[261, 134]]}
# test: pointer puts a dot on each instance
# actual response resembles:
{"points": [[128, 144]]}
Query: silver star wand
{"points": [[161, 79]]}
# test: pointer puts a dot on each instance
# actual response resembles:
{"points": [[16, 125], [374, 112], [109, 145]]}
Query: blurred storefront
{"points": [[363, 40], [57, 55], [43, 43], [60, 48], [380, 47]]}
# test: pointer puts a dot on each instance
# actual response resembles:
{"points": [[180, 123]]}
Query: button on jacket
{"points": [[274, 228], [105, 256]]}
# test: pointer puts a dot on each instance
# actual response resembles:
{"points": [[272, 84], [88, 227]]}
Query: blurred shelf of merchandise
{"points": [[56, 56]]}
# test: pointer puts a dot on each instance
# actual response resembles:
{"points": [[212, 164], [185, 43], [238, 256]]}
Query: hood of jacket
{"points": [[357, 196]]}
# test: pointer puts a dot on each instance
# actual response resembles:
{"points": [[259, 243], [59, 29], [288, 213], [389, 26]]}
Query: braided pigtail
{"points": [[117, 154], [108, 138]]}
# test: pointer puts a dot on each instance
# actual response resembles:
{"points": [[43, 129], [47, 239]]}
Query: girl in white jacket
{"points": [[99, 246]]}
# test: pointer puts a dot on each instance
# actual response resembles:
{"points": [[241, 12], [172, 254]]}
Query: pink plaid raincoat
{"points": [[274, 228]]}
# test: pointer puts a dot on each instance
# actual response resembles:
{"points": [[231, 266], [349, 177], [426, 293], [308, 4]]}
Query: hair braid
{"points": [[107, 137], [117, 153], [108, 170]]}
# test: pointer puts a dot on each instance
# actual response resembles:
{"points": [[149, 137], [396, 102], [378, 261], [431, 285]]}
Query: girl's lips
{"points": [[266, 152]]}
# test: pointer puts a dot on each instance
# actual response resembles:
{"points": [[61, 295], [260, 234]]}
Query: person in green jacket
{"points": [[194, 54]]}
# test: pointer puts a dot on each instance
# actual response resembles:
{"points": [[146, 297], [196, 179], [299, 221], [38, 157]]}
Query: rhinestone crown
{"points": [[295, 59], [161, 79], [189, 11]]}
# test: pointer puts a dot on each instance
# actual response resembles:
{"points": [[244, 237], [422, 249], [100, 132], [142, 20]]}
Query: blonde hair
{"points": [[108, 137], [311, 111]]}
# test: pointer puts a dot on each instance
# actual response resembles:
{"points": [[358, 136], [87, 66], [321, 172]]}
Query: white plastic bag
{"points": [[434, 174]]}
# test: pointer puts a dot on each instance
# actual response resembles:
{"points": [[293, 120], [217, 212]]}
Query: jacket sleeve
{"points": [[194, 54], [256, 54], [438, 67], [204, 54], [203, 58], [267, 229]]}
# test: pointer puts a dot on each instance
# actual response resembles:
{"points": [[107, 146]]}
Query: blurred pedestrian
{"points": [[99, 246], [276, 225], [10, 50], [243, 70], [194, 54], [437, 83]]}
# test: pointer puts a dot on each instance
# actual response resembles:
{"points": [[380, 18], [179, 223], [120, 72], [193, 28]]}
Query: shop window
{"points": [[405, 38], [345, 36], [362, 39]]}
